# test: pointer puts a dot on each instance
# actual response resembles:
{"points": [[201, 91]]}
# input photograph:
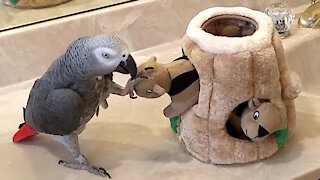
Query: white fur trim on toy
{"points": [[230, 45]]}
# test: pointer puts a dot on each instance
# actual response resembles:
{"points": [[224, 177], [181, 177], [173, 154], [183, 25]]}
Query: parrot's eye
{"points": [[123, 55], [149, 91], [105, 55], [256, 115]]}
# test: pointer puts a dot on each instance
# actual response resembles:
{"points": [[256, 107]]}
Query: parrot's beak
{"points": [[128, 67]]}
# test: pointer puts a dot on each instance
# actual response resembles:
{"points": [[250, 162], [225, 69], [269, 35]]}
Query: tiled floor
{"points": [[11, 17]]}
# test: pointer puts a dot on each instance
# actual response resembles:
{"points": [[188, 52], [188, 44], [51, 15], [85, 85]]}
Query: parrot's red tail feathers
{"points": [[24, 132]]}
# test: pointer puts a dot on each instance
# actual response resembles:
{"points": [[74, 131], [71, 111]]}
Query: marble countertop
{"points": [[133, 140]]}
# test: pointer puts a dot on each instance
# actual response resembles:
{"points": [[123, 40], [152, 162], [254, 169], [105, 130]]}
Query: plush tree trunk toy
{"points": [[245, 110], [33, 3]]}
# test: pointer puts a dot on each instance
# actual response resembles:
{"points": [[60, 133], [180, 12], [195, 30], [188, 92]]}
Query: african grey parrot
{"points": [[67, 96]]}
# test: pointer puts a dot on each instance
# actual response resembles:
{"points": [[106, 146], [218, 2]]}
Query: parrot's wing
{"points": [[53, 111]]}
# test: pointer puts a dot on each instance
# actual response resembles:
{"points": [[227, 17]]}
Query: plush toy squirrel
{"points": [[178, 78], [33, 3], [260, 119]]}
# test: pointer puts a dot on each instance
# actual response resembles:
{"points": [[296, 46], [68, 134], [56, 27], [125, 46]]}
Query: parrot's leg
{"points": [[71, 142]]}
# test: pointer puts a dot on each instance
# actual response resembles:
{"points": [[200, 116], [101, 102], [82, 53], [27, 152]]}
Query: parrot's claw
{"points": [[131, 94], [61, 162], [129, 89], [92, 169], [98, 171], [133, 97]]}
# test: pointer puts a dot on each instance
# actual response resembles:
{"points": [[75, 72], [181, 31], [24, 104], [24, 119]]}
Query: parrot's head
{"points": [[103, 54]]}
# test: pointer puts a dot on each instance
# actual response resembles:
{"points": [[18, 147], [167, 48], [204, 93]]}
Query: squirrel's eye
{"points": [[149, 91], [105, 55], [256, 115]]}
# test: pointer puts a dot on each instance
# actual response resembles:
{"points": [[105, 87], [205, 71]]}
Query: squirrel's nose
{"points": [[262, 131]]}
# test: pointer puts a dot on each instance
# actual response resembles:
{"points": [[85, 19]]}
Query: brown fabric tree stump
{"points": [[245, 110]]}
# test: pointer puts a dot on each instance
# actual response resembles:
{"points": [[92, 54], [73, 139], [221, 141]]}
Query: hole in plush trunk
{"points": [[230, 25], [233, 124]]}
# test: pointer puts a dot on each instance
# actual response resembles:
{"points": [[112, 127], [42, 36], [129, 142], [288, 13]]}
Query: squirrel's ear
{"points": [[158, 89], [254, 103], [152, 64], [153, 58]]}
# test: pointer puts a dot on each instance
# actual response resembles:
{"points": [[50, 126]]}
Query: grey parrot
{"points": [[68, 95]]}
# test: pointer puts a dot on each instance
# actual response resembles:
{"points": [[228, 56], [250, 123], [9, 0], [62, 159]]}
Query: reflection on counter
{"points": [[33, 4], [12, 17]]}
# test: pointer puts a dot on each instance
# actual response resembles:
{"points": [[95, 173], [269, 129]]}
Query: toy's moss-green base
{"points": [[14, 1], [174, 123], [282, 136]]}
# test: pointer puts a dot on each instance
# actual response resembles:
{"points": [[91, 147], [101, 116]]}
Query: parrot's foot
{"points": [[83, 165], [129, 89]]}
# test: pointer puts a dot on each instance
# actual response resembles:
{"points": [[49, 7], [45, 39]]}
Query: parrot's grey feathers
{"points": [[99, 40], [67, 96], [54, 111]]}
